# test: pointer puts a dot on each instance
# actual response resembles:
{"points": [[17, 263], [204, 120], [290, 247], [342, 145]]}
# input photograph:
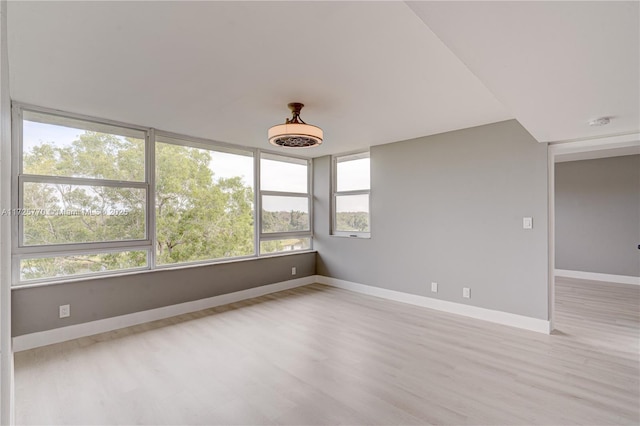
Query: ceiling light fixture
{"points": [[295, 133], [602, 121]]}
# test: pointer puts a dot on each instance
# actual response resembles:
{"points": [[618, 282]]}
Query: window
{"points": [[82, 195], [95, 197], [285, 201], [204, 206], [80, 264], [351, 190]]}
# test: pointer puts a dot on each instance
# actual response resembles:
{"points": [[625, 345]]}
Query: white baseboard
{"points": [[499, 317], [57, 335], [594, 276]]}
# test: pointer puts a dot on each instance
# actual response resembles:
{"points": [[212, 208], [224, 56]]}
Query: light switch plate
{"points": [[527, 223]]}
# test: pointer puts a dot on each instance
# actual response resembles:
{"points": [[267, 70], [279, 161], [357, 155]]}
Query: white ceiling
{"points": [[554, 65], [368, 72]]}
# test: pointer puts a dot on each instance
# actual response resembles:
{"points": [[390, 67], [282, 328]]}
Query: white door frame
{"points": [[611, 146]]}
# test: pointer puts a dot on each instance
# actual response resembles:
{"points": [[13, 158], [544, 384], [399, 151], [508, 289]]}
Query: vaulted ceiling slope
{"points": [[555, 65], [368, 72]]}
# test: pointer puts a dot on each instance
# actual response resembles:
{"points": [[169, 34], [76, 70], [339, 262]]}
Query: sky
{"points": [[275, 175]]}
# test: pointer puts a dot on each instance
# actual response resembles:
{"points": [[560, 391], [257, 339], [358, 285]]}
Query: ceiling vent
{"points": [[602, 121]]}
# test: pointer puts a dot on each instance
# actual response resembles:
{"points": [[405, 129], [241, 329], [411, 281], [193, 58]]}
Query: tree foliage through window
{"points": [[88, 203], [199, 216]]}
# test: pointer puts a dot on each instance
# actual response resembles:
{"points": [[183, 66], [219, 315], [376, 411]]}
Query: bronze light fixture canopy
{"points": [[295, 133]]}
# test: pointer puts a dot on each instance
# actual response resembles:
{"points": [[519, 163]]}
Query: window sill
{"points": [[352, 236]]}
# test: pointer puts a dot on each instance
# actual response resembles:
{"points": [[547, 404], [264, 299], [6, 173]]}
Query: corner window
{"points": [[95, 197], [351, 191]]}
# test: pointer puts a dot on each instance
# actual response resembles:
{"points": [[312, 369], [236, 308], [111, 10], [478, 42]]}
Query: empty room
{"points": [[319, 213]]}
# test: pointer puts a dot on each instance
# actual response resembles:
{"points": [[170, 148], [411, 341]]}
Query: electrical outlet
{"points": [[65, 311], [434, 287], [293, 270], [466, 292]]}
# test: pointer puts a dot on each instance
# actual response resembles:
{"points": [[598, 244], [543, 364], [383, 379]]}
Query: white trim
{"points": [[499, 317], [57, 335], [595, 148], [593, 144], [596, 276], [48, 337], [551, 244]]}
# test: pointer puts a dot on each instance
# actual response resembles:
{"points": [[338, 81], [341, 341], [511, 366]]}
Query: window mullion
{"points": [[81, 247], [16, 169], [257, 197], [283, 235], [150, 175], [356, 192], [310, 192], [64, 180], [284, 194]]}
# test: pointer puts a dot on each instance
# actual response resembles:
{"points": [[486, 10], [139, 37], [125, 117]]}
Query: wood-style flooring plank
{"points": [[321, 355]]}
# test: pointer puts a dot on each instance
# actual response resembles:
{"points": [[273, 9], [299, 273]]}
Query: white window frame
{"points": [[273, 236], [335, 159]]}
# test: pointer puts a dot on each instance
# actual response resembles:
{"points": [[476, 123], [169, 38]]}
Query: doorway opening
{"points": [[570, 252]]}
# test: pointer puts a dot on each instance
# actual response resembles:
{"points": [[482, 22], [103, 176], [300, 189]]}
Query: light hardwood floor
{"points": [[320, 355]]}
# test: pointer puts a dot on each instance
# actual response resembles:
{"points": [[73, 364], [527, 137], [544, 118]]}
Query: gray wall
{"points": [[6, 355], [36, 309], [449, 208], [597, 205]]}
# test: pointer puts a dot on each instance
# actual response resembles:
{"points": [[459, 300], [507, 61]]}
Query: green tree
{"points": [[352, 221], [283, 221], [64, 213], [198, 217]]}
